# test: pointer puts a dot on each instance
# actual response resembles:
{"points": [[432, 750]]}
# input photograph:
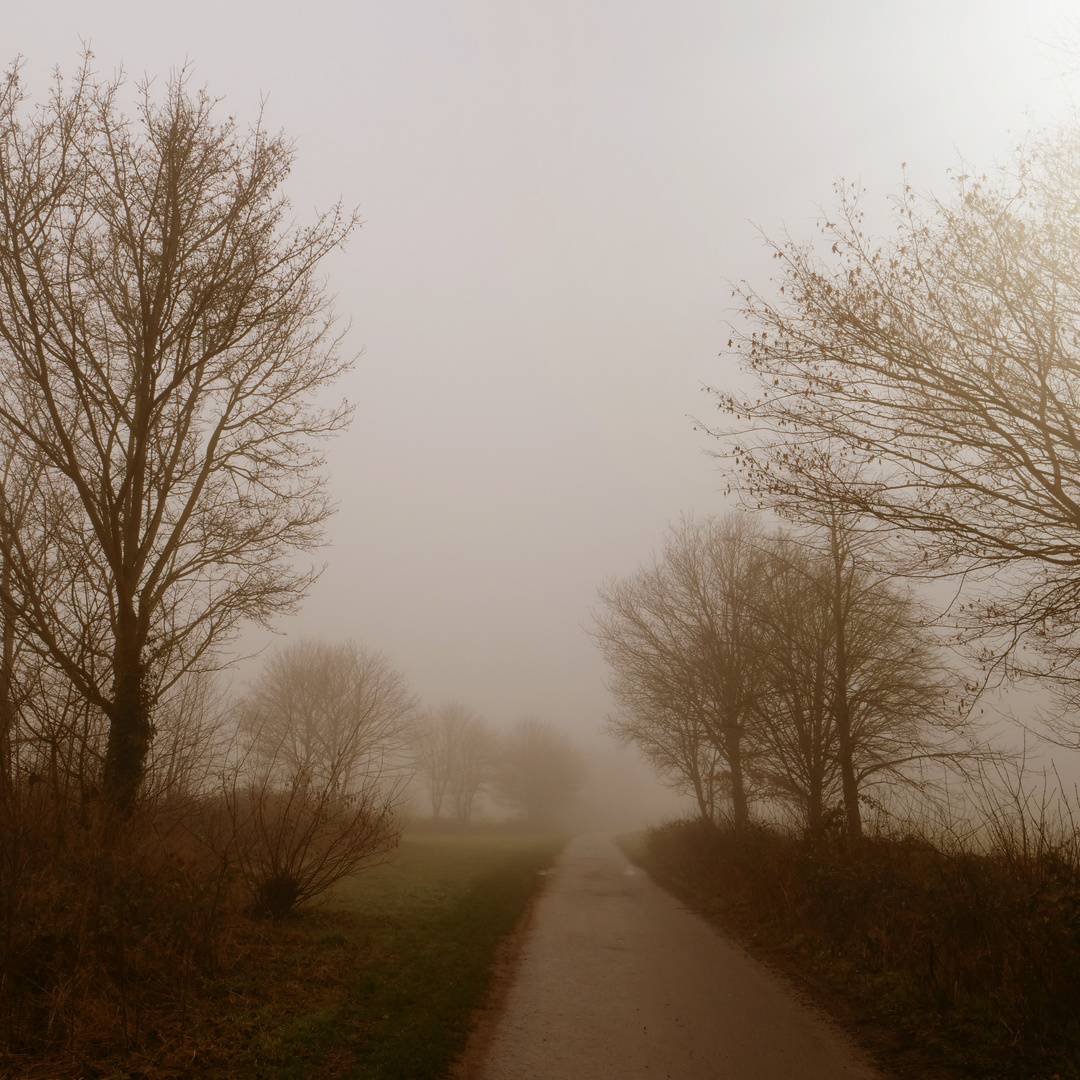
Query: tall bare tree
{"points": [[795, 732], [165, 342], [856, 691]]}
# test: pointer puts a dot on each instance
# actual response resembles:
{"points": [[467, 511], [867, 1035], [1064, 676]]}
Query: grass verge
{"points": [[380, 983]]}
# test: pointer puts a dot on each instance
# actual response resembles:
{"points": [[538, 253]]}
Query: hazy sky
{"points": [[555, 196]]}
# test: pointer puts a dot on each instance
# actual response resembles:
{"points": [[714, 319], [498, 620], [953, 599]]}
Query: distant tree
{"points": [[678, 637], [435, 747], [930, 382], [541, 771], [165, 346], [475, 766], [334, 713], [456, 754]]}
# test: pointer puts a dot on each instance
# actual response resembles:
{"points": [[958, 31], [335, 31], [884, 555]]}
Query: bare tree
{"points": [[541, 771], [316, 796], [333, 713], [674, 742], [678, 637], [931, 382], [457, 754], [434, 754], [475, 766], [795, 732], [776, 665], [164, 343], [856, 693]]}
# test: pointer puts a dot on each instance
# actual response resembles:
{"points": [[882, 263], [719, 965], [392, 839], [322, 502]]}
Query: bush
{"points": [[106, 930], [295, 840]]}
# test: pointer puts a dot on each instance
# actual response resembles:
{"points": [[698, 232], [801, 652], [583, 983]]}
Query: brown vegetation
{"points": [[941, 952], [108, 934]]}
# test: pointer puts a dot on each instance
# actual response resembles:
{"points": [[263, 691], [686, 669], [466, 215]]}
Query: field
{"points": [[381, 982]]}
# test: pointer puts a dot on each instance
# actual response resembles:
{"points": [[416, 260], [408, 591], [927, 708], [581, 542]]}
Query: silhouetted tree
{"points": [[165, 341], [855, 691], [679, 638], [775, 665]]}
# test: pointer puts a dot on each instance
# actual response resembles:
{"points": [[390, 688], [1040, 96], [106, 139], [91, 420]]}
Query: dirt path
{"points": [[617, 980]]}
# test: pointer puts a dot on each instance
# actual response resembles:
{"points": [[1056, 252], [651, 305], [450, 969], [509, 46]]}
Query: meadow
{"points": [[382, 981]]}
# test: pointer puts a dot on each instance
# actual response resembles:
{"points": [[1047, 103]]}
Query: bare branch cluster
{"points": [[931, 382]]}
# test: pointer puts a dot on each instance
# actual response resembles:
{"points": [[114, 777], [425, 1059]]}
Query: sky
{"points": [[557, 197]]}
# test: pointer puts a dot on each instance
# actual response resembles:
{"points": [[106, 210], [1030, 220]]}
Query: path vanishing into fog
{"points": [[618, 980]]}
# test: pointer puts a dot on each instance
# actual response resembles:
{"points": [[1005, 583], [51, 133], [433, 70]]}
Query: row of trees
{"points": [[341, 718], [910, 407], [330, 742], [776, 667]]}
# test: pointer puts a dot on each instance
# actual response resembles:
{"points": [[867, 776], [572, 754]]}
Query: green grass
{"points": [[383, 981]]}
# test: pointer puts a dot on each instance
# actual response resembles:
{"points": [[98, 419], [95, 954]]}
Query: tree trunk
{"points": [[704, 809], [740, 808], [129, 727], [7, 682], [841, 704], [815, 812]]}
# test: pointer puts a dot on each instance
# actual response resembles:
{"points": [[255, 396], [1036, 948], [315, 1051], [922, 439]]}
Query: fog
{"points": [[555, 198]]}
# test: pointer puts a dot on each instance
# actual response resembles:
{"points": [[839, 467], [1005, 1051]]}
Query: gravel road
{"points": [[618, 980]]}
